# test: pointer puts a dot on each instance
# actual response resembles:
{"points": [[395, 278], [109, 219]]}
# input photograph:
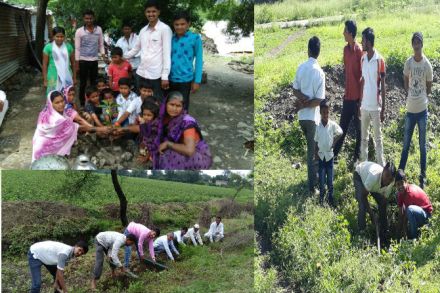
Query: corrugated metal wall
{"points": [[14, 51]]}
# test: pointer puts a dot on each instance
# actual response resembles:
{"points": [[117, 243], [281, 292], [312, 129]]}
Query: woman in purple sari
{"points": [[182, 146]]}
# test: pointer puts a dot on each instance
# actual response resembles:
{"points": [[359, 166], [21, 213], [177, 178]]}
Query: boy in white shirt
{"points": [[327, 134], [124, 99], [372, 107]]}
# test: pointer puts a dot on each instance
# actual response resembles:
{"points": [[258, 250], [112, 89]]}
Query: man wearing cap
{"points": [[417, 74], [193, 234], [414, 206], [216, 232]]}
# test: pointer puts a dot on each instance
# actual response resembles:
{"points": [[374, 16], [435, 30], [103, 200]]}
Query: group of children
{"points": [[56, 255]]}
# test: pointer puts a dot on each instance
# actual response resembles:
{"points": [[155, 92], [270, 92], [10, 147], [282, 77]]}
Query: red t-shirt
{"points": [[353, 72], [414, 195], [118, 71]]}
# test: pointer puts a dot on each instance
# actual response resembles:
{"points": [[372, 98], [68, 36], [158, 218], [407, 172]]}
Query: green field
{"points": [[32, 212], [309, 248], [45, 185], [296, 9], [393, 41]]}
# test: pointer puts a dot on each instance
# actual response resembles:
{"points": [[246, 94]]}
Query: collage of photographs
{"points": [[140, 151]]}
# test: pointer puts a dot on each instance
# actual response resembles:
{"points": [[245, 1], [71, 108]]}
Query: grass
{"points": [[392, 40], [32, 212], [222, 267], [45, 185], [296, 9]]}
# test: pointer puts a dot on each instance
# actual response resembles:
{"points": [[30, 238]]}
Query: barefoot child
{"points": [[123, 100], [118, 69], [327, 134]]}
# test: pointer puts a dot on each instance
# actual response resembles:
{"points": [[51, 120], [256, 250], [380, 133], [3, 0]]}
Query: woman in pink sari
{"points": [[56, 130]]}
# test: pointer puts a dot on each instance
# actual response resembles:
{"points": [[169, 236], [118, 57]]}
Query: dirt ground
{"points": [[280, 108], [223, 107]]}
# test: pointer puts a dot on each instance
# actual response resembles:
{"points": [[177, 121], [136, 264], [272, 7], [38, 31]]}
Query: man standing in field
{"points": [[350, 106], [155, 47], [309, 88], [372, 106], [417, 74]]}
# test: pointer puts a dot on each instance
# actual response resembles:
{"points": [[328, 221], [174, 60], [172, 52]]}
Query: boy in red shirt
{"points": [[414, 205], [118, 69]]}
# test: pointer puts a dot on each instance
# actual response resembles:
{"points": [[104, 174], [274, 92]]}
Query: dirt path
{"points": [[275, 51], [223, 107], [302, 22]]}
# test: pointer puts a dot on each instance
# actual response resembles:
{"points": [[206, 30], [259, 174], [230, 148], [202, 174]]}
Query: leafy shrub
{"points": [[309, 241]]}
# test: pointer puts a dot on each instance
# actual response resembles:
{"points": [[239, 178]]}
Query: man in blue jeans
{"points": [[414, 206], [417, 74], [54, 256]]}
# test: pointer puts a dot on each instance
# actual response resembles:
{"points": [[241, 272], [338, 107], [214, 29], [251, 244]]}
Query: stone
{"points": [[127, 156], [242, 125], [217, 159]]}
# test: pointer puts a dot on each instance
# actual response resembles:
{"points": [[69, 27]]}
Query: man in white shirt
{"points": [[372, 178], [164, 243], [193, 235], [127, 42], [309, 88], [178, 236], [3, 106], [54, 256], [372, 107], [417, 74], [216, 232], [108, 243], [155, 47], [327, 134]]}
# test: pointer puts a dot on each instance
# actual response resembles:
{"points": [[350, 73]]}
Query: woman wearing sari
{"points": [[58, 62], [56, 130], [182, 145]]}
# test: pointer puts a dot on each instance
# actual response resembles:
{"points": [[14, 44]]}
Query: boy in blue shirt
{"points": [[185, 47]]}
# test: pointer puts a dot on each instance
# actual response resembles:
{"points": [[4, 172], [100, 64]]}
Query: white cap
{"points": [[196, 226]]}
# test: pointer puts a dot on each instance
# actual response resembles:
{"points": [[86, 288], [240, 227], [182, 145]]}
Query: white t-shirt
{"points": [[419, 74], [123, 105], [371, 174], [310, 80], [372, 99], [324, 136], [52, 253]]}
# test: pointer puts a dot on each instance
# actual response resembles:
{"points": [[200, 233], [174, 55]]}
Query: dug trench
{"points": [[280, 104]]}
